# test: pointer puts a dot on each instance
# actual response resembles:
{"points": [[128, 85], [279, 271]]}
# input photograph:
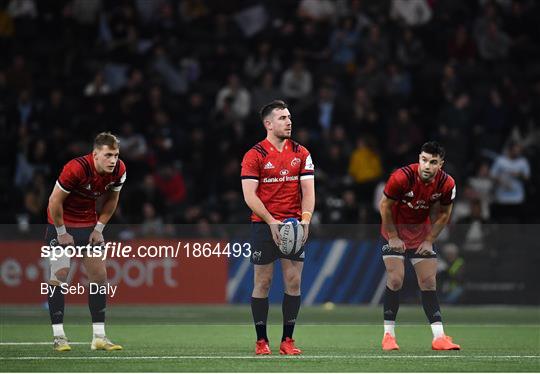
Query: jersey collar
{"points": [[272, 148]]}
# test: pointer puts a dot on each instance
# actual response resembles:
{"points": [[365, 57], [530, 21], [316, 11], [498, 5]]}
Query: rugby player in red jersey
{"points": [[73, 221], [278, 183], [409, 194]]}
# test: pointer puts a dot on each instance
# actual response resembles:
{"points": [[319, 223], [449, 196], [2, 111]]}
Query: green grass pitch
{"points": [[221, 338]]}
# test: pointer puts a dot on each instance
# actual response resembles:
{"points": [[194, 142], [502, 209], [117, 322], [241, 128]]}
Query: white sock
{"points": [[389, 327], [58, 329], [437, 329], [98, 329]]}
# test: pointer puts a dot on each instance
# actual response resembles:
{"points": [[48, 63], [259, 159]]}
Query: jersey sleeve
{"points": [[251, 168], [396, 185], [71, 176], [448, 191], [121, 177], [308, 168]]}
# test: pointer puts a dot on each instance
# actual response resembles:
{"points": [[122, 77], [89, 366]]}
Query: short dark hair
{"points": [[433, 148], [268, 108], [108, 139]]}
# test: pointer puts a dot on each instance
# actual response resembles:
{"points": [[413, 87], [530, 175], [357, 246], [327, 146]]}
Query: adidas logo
{"points": [[88, 187], [388, 312], [268, 165], [409, 194]]}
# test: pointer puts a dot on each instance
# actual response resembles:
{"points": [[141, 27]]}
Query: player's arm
{"points": [[249, 189], [109, 206], [442, 216], [385, 208], [308, 204], [441, 219], [56, 209]]}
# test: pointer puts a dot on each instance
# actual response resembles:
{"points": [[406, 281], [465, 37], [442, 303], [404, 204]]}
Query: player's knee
{"points": [[394, 282], [99, 276], [263, 284], [427, 283], [292, 283], [59, 276]]}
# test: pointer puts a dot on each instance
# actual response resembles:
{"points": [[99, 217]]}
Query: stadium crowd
{"points": [[181, 81]]}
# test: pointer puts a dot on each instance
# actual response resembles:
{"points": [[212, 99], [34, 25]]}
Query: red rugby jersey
{"points": [[414, 199], [279, 175], [81, 180]]}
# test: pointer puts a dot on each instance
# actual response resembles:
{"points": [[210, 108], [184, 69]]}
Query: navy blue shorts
{"points": [[409, 253], [263, 249]]}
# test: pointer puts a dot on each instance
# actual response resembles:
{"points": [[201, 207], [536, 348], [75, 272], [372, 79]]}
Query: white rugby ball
{"points": [[292, 234]]}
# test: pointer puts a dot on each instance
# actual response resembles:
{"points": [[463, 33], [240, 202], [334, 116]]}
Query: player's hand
{"points": [[65, 239], [396, 244], [305, 226], [426, 248], [96, 238], [274, 229]]}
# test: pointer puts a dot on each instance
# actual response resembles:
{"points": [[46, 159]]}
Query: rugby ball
{"points": [[292, 234]]}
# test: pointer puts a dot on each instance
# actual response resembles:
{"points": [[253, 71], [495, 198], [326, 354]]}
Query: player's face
{"points": [[429, 166], [106, 158], [280, 123]]}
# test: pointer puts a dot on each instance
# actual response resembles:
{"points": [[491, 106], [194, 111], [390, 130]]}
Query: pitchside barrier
{"points": [[343, 265]]}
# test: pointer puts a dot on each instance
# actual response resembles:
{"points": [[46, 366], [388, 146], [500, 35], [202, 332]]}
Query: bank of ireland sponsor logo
{"points": [[284, 172]]}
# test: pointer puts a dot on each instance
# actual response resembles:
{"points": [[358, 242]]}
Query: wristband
{"points": [[60, 230], [99, 227], [306, 216]]}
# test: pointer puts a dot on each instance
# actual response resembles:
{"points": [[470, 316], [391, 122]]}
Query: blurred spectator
{"points": [[239, 97], [403, 139], [317, 10], [326, 111], [98, 86], [494, 43], [451, 274], [462, 47], [412, 12], [409, 50], [264, 92], [134, 147], [19, 76], [510, 172], [371, 78], [173, 77], [471, 232], [152, 224], [454, 129], [263, 60], [363, 118], [376, 45], [482, 185], [398, 82], [296, 82], [494, 124], [343, 44], [365, 167]]}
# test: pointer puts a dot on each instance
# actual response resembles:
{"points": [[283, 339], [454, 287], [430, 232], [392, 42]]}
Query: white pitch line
{"points": [[39, 343], [302, 357]]}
